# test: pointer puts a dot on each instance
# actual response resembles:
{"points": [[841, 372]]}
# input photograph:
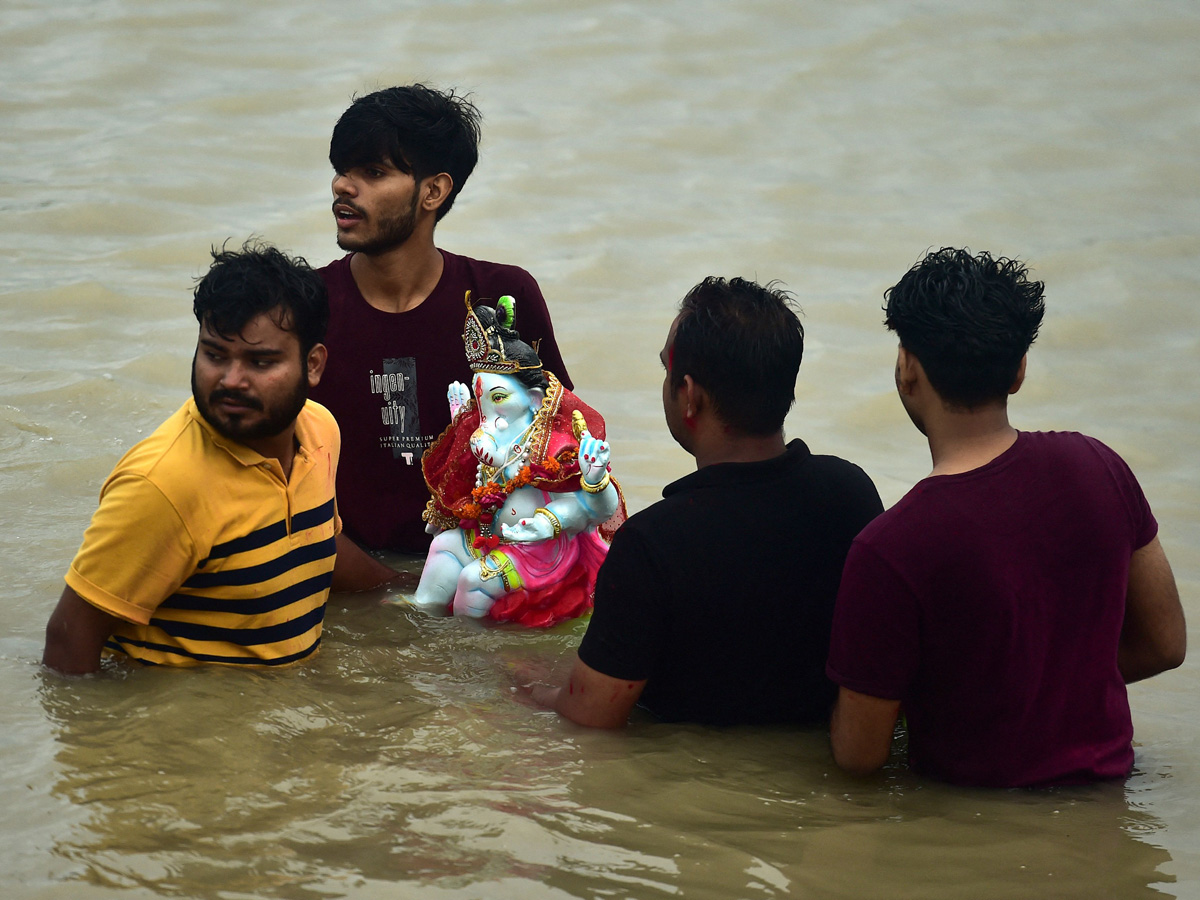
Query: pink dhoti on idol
{"points": [[558, 579], [521, 495]]}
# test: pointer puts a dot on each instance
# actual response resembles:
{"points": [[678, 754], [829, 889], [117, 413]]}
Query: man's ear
{"points": [[315, 364], [908, 371], [696, 397], [1020, 379], [435, 190]]}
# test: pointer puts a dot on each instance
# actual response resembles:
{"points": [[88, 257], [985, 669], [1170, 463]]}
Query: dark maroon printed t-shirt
{"points": [[386, 381]]}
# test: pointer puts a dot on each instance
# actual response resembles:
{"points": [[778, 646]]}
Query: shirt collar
{"points": [[741, 472], [306, 438]]}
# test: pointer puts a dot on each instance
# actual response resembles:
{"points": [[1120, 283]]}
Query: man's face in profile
{"points": [[374, 207]]}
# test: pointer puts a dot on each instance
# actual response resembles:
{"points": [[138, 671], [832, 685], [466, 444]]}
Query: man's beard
{"points": [[390, 233], [278, 419]]}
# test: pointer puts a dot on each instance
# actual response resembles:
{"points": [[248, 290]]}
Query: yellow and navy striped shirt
{"points": [[206, 553]]}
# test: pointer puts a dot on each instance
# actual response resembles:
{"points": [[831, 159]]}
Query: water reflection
{"points": [[400, 758], [217, 777]]}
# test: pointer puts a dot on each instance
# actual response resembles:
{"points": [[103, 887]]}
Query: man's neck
{"points": [[401, 279], [721, 444], [963, 440]]}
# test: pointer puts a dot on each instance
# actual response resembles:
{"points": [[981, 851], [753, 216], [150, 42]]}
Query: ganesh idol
{"points": [[523, 504]]}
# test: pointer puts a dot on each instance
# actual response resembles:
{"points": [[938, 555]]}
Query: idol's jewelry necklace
{"points": [[518, 451]]}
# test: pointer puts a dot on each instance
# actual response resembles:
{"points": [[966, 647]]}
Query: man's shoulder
{"points": [[797, 473], [695, 500], [180, 458], [169, 442], [335, 265], [318, 416], [657, 528], [317, 428], [799, 463], [1070, 443], [336, 270], [490, 279], [894, 520], [177, 463], [658, 512], [339, 281], [933, 506], [836, 470], [1057, 457], [470, 263], [820, 479]]}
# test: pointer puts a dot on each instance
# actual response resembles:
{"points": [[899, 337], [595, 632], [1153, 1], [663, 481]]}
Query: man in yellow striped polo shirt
{"points": [[217, 539]]}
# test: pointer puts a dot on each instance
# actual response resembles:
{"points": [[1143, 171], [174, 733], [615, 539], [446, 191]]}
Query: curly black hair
{"points": [[742, 342], [257, 279], [969, 319], [420, 130]]}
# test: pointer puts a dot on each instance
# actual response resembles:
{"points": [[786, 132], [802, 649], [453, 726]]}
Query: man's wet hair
{"points": [[969, 319], [257, 279], [742, 342], [418, 129]]}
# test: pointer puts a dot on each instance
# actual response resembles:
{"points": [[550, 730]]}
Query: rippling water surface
{"points": [[629, 150]]}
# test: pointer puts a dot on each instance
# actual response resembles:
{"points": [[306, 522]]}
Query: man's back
{"points": [[722, 593], [991, 604]]}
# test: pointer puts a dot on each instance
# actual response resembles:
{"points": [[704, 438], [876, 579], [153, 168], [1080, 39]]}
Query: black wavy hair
{"points": [[742, 342], [420, 130], [257, 279], [515, 348], [969, 319]]}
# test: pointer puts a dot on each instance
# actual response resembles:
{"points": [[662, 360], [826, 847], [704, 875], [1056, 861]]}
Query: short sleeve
{"points": [[136, 552], [628, 622], [874, 648], [1141, 518]]}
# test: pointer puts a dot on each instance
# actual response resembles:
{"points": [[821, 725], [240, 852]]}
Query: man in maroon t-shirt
{"points": [[396, 302], [1008, 598]]}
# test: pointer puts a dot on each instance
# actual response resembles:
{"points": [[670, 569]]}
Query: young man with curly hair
{"points": [[1004, 603]]}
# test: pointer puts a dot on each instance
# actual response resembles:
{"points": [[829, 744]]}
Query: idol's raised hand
{"points": [[593, 460], [459, 396]]}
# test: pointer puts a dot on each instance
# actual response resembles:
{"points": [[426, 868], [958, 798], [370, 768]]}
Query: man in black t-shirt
{"points": [[714, 605]]}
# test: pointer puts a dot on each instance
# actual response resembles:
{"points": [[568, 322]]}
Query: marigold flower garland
{"points": [[486, 499]]}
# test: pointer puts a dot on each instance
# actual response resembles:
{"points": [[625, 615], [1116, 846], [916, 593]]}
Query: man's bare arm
{"points": [[357, 570], [591, 698], [1154, 636], [75, 635], [861, 731]]}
